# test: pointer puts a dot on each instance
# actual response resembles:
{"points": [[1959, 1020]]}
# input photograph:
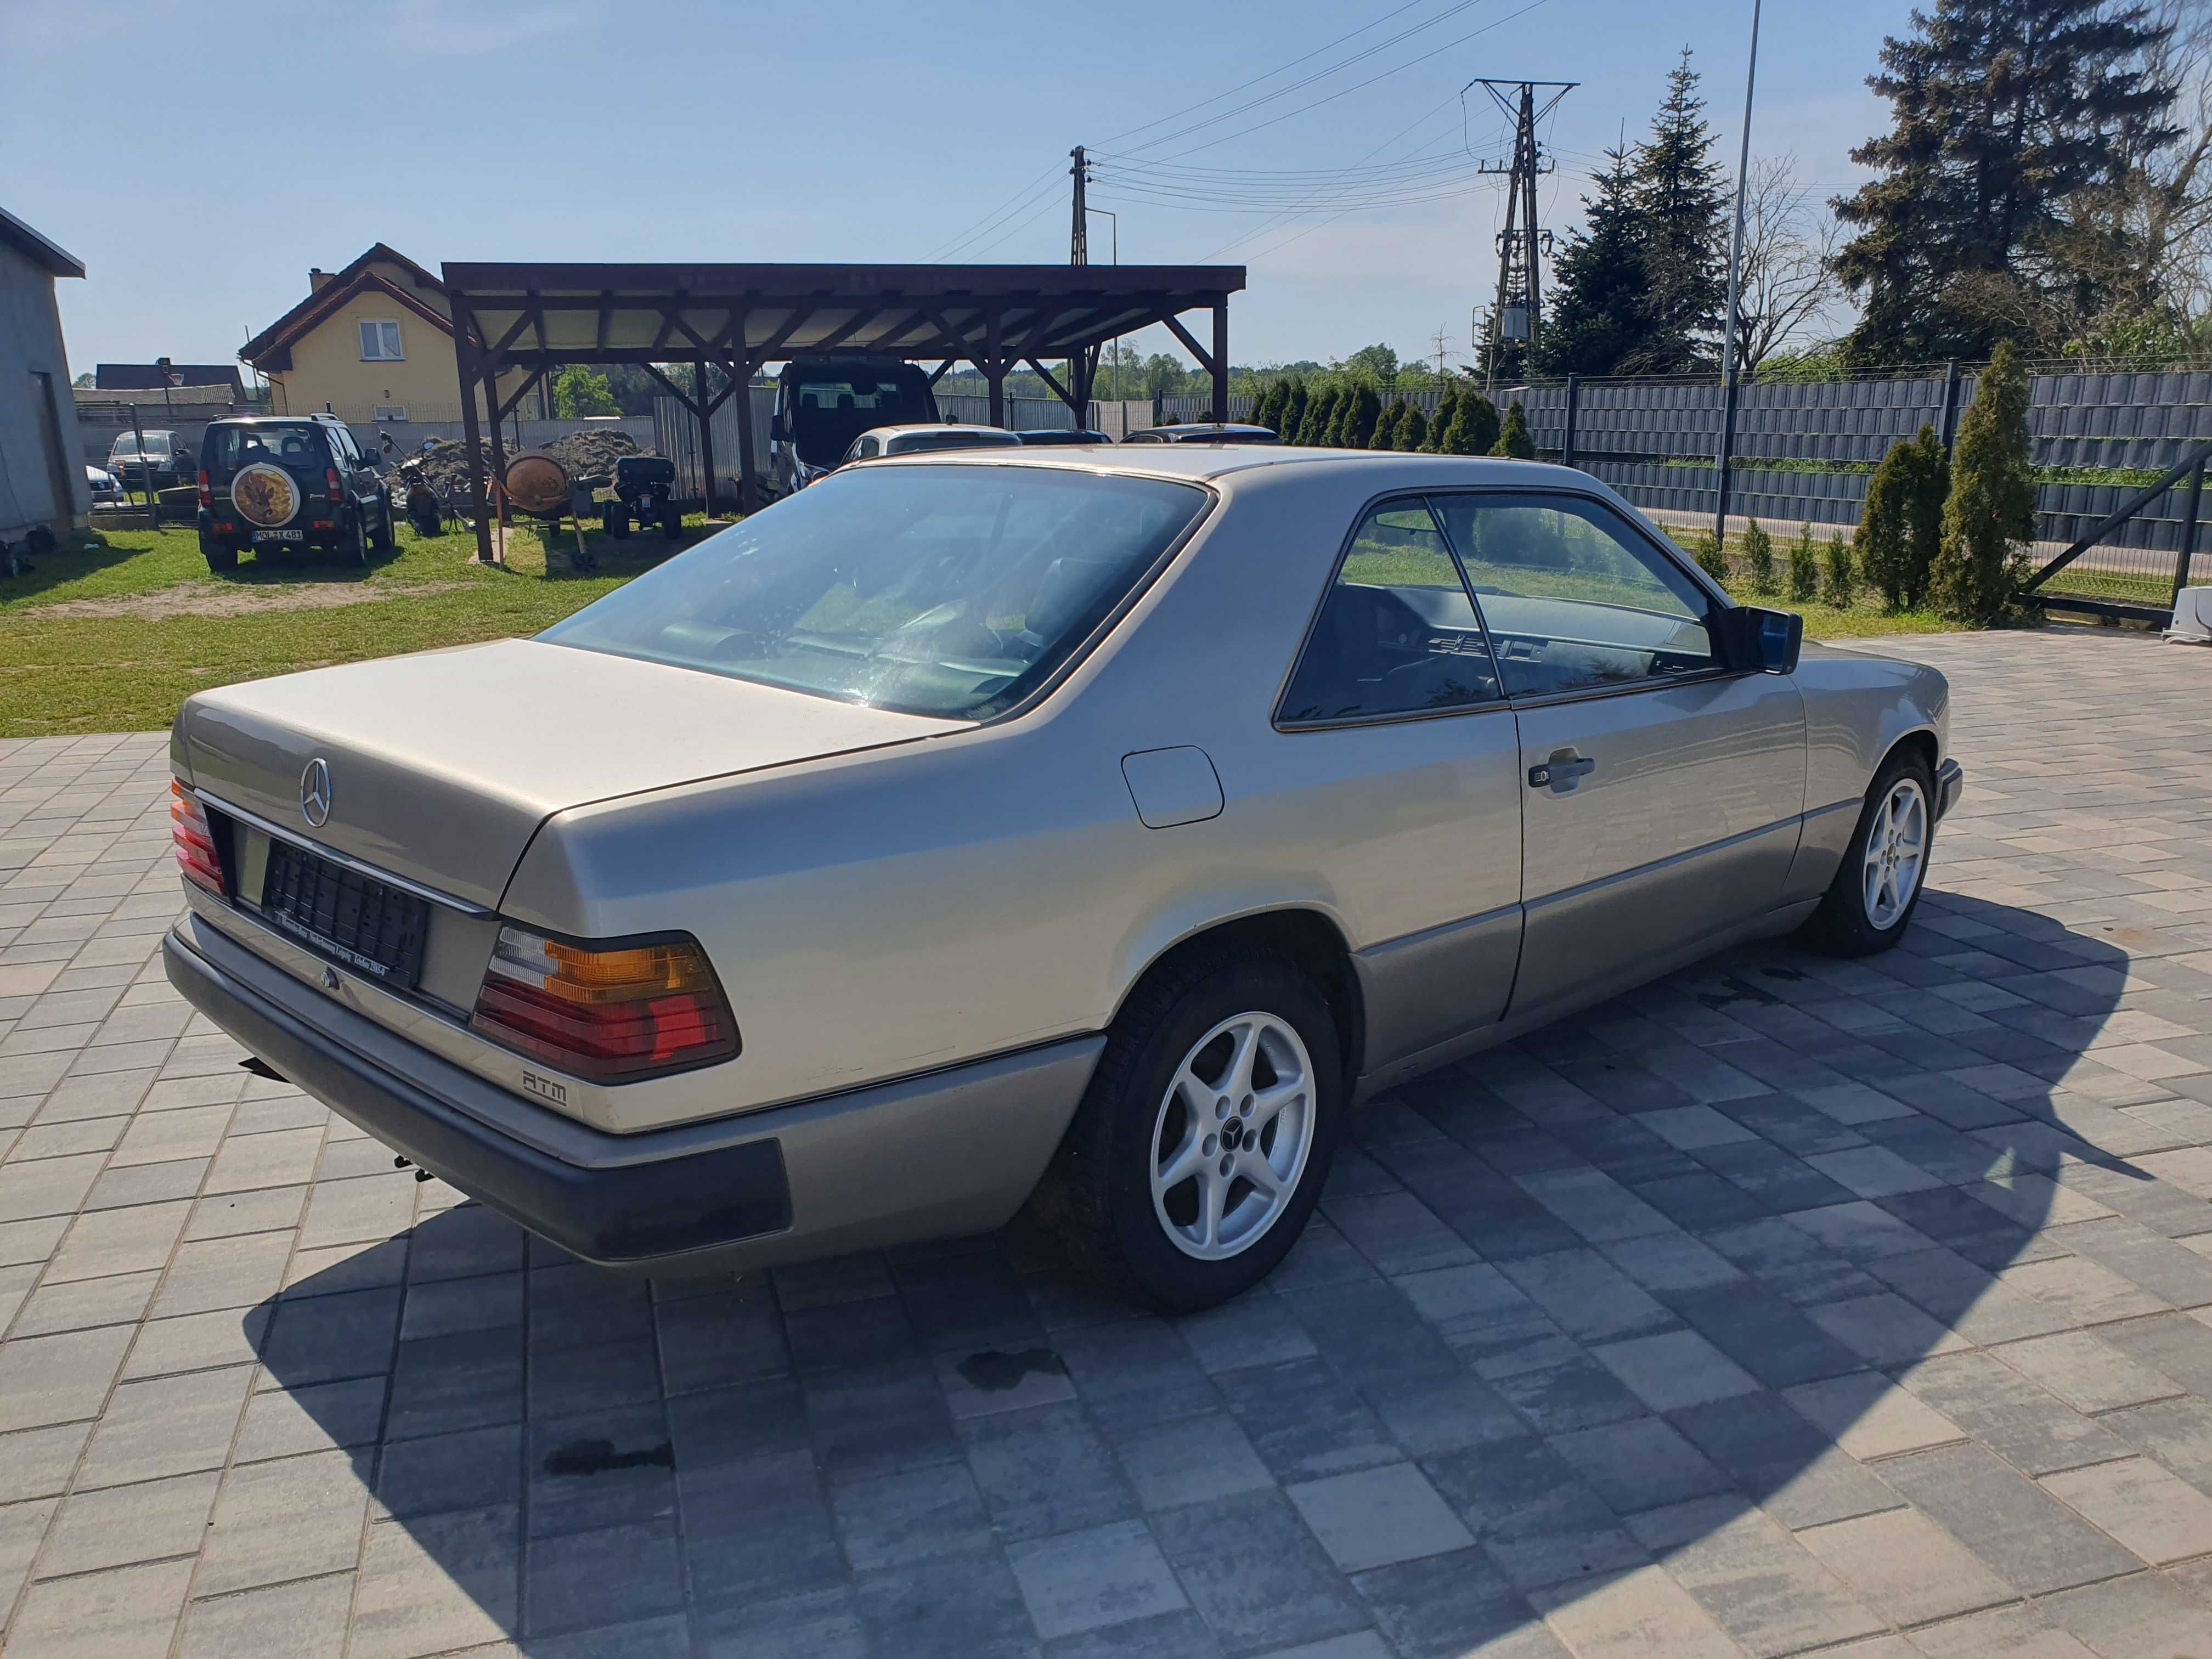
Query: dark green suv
{"points": [[288, 481]]}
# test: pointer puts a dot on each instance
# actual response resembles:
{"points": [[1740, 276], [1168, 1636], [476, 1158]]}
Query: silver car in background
{"points": [[1098, 828]]}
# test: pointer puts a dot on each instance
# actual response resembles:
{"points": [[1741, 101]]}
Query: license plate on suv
{"points": [[373, 928], [280, 535]]}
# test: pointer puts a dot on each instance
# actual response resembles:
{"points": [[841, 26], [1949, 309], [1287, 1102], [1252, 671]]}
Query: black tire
{"points": [[221, 556], [1097, 1196], [352, 541], [385, 539], [671, 520], [618, 521], [1843, 924]]}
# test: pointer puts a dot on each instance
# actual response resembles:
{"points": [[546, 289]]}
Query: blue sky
{"points": [[199, 159]]}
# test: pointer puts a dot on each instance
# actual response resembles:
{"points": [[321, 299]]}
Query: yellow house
{"points": [[374, 341]]}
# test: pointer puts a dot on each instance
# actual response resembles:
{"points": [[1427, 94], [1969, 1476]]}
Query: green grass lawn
{"points": [[112, 635]]}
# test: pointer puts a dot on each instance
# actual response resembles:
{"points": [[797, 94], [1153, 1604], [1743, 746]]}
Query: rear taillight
{"points": [[207, 495], [604, 1011], [196, 855], [330, 479]]}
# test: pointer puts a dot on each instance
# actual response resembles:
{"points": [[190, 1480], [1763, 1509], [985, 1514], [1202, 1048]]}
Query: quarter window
{"points": [[1396, 634], [1574, 597], [379, 342]]}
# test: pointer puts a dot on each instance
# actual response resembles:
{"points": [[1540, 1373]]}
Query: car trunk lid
{"points": [[442, 765]]}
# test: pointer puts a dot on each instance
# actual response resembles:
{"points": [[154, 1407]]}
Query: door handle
{"points": [[1561, 773]]}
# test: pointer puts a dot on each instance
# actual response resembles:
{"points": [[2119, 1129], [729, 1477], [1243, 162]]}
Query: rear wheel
{"points": [[671, 520], [386, 538], [618, 521], [219, 555], [1877, 888], [1200, 1146], [353, 540]]}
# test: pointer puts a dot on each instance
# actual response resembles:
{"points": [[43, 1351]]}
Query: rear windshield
{"points": [[230, 448], [908, 443], [827, 414], [157, 443], [949, 591]]}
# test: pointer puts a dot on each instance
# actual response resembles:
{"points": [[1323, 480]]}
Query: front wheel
{"points": [[1877, 888], [1200, 1146]]}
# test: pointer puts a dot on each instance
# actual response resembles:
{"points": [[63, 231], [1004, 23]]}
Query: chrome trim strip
{"points": [[278, 832]]}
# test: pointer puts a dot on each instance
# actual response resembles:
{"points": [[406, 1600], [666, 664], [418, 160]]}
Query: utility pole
{"points": [[1079, 234], [1516, 318], [1727, 457]]}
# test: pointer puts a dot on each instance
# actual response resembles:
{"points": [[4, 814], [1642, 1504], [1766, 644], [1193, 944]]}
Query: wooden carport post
{"points": [[705, 431], [748, 469], [464, 357], [1221, 360], [498, 447], [994, 375]]}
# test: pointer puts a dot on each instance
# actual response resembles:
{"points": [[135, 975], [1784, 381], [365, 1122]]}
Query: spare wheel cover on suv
{"points": [[265, 495]]}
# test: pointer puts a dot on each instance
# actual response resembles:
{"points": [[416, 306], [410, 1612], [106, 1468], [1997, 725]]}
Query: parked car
{"points": [[289, 481], [1105, 830], [1055, 435], [166, 459], [822, 404], [1204, 431], [105, 487], [882, 441]]}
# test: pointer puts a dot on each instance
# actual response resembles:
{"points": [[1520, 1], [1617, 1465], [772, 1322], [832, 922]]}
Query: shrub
{"points": [[1991, 509], [1268, 412], [1294, 408], [1314, 427], [1414, 430], [1386, 428], [1364, 411], [1712, 558], [1759, 557], [1901, 527], [1479, 416], [1440, 423], [1843, 578], [1513, 437], [1804, 567]]}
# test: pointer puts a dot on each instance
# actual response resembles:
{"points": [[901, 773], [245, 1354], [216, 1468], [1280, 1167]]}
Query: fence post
{"points": [[1567, 445], [1727, 454], [1950, 418], [2188, 532]]}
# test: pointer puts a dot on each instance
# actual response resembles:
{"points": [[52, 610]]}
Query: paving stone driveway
{"points": [[1787, 1305]]}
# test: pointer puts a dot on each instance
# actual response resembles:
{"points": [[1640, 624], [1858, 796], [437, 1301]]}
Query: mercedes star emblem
{"points": [[315, 793]]}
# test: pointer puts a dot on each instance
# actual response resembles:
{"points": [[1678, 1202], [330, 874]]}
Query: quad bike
{"points": [[644, 488]]}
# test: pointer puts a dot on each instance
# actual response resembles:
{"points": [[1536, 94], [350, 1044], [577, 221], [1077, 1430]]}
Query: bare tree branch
{"points": [[1790, 242]]}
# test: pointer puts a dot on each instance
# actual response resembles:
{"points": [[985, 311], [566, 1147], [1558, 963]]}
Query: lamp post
{"points": [[1735, 274]]}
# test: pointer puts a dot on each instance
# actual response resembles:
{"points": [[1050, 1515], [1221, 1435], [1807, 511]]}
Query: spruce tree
{"points": [[1294, 408], [1414, 430], [1681, 223], [1596, 318], [2006, 116], [1268, 412], [1513, 437], [1991, 510]]}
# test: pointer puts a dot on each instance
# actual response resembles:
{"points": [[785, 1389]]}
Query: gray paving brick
{"points": [[302, 1620], [132, 1611], [2032, 1542]]}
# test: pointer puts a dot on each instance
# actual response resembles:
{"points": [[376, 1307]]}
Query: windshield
{"points": [[230, 448], [949, 591]]}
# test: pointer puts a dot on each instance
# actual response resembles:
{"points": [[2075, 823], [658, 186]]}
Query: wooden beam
{"points": [[674, 390], [1058, 391], [1204, 358], [800, 317], [492, 358], [837, 336], [465, 359]]}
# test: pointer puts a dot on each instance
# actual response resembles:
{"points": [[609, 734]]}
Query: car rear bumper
{"points": [[950, 1152], [1950, 782]]}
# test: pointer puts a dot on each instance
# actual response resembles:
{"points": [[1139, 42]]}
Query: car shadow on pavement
{"points": [[1697, 1279]]}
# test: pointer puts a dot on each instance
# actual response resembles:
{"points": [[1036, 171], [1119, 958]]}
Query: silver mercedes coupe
{"points": [[1092, 827]]}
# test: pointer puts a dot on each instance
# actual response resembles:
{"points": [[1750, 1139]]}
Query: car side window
{"points": [[1574, 598], [1396, 634]]}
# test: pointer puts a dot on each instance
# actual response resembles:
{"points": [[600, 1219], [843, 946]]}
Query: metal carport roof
{"points": [[742, 317]]}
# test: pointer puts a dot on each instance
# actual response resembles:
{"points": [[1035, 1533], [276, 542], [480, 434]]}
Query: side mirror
{"points": [[777, 432], [1760, 640]]}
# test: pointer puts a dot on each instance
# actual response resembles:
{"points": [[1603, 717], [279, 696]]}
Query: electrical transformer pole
{"points": [[1517, 313], [1078, 236]]}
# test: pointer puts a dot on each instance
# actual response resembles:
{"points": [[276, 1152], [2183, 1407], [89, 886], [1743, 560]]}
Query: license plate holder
{"points": [[363, 923], [280, 535]]}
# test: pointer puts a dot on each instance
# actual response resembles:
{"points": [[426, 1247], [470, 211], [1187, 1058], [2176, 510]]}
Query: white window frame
{"points": [[398, 352], [391, 412]]}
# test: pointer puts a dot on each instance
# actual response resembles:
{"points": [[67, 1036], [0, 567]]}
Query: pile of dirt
{"points": [[581, 454]]}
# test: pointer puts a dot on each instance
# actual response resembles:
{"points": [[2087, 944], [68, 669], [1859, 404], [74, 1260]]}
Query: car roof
{"points": [[1178, 428], [901, 429], [1405, 470]]}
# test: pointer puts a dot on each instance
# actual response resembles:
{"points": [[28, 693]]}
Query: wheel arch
{"points": [[1307, 938]]}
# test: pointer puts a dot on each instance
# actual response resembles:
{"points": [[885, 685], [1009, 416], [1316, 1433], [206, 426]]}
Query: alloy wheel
{"points": [[1896, 854], [1232, 1135]]}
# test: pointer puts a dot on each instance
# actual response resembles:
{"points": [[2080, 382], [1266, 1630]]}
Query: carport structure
{"points": [[536, 317]]}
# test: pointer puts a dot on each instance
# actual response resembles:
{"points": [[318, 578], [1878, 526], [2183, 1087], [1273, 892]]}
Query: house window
{"points": [[379, 342], [391, 411]]}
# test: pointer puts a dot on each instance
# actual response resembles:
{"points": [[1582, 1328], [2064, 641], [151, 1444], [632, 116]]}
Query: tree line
{"points": [[2045, 178], [1348, 413]]}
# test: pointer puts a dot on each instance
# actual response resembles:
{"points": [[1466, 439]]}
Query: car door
{"points": [[1395, 768], [1662, 793]]}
